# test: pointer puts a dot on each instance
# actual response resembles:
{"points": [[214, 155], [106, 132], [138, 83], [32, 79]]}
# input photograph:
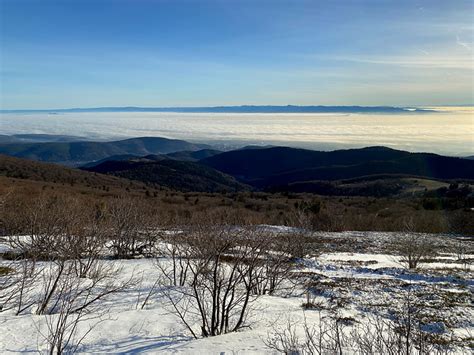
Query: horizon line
{"points": [[244, 108]]}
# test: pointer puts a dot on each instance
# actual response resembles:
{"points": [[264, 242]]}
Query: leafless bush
{"points": [[16, 286], [327, 336], [333, 334], [41, 226], [173, 258], [56, 227], [45, 225], [54, 290], [461, 222], [220, 270], [221, 278], [286, 340], [315, 216], [280, 255], [412, 247], [58, 240], [69, 300], [131, 228]]}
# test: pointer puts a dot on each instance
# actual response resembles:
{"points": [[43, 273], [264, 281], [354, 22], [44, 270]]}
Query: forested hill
{"points": [[282, 165]]}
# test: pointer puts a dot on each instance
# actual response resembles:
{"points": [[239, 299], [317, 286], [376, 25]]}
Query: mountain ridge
{"points": [[237, 109], [281, 166], [79, 153], [175, 174]]}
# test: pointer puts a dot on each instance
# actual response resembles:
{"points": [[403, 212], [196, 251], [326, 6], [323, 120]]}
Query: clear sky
{"points": [[66, 53]]}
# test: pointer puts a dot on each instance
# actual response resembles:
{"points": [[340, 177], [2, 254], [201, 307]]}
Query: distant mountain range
{"points": [[39, 138], [185, 155], [280, 166], [79, 153], [185, 166], [240, 109], [372, 171]]}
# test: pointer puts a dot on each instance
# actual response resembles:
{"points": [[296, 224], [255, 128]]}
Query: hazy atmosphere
{"points": [[449, 131], [61, 53], [221, 177]]}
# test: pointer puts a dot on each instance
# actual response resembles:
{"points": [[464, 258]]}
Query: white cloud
{"points": [[463, 44], [424, 61]]}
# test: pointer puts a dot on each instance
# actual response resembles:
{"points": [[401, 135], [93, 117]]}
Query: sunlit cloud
{"points": [[463, 44], [424, 61], [448, 132]]}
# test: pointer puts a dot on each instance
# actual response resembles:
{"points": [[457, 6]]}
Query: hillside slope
{"points": [[25, 169], [197, 155], [271, 167], [178, 175], [77, 153]]}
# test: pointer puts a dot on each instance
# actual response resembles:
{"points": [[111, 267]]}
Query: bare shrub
{"points": [[42, 226], [173, 258], [58, 240], [16, 286], [316, 216], [221, 279], [54, 227], [333, 334], [327, 336], [131, 228], [280, 254], [461, 222], [73, 300], [412, 247]]}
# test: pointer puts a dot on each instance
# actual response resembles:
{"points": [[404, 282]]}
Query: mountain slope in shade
{"points": [[197, 155], [174, 174], [255, 163], [118, 157], [186, 155], [265, 168], [78, 153]]}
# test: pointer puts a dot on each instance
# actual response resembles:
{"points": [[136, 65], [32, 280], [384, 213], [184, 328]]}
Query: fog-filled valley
{"points": [[447, 131], [151, 244], [237, 177]]}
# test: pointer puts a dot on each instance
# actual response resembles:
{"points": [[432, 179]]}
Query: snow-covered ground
{"points": [[356, 283]]}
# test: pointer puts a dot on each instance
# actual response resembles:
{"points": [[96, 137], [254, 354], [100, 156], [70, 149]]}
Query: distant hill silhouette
{"points": [[119, 157], [186, 155], [197, 155], [255, 163], [279, 166], [242, 109], [39, 138], [78, 153], [174, 174]]}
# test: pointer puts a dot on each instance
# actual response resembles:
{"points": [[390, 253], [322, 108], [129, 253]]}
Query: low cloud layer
{"points": [[449, 132]]}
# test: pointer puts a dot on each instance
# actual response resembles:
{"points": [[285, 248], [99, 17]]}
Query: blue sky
{"points": [[58, 54]]}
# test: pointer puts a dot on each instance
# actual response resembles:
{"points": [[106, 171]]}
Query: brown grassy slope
{"points": [[26, 179], [24, 169]]}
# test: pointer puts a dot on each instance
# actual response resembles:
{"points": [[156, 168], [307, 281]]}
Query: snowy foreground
{"points": [[360, 279]]}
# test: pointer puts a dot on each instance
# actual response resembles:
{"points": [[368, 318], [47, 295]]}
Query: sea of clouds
{"points": [[449, 132]]}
